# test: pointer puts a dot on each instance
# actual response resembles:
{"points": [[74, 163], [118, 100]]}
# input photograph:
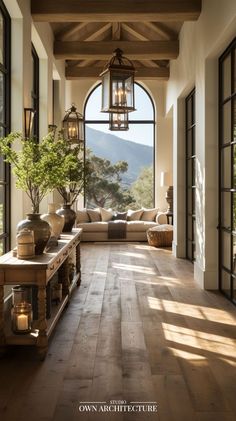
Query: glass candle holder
{"points": [[21, 294], [21, 316]]}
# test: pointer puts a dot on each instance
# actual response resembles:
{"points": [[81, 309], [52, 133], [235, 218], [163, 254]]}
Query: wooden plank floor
{"points": [[138, 329]]}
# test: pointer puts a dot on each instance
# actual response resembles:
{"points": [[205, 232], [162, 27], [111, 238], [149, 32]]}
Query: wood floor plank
{"points": [[137, 329]]}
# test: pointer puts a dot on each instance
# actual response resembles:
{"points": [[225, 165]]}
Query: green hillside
{"points": [[115, 149]]}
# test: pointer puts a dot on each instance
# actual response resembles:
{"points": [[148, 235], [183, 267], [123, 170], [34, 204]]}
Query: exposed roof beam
{"points": [[115, 11], [130, 28], [96, 50], [97, 31], [143, 73], [161, 30], [116, 30], [65, 33]]}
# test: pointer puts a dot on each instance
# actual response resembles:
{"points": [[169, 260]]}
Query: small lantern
{"points": [[21, 313], [118, 84], [29, 120], [118, 121], [73, 125]]}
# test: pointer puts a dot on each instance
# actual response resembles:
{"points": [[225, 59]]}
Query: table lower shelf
{"points": [[31, 338]]}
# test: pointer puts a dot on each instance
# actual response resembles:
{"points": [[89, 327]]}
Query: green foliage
{"points": [[41, 167], [142, 188], [104, 184], [74, 172]]}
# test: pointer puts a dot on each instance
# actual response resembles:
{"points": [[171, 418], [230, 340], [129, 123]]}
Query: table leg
{"points": [[42, 342], [78, 265], [63, 276], [2, 336]]}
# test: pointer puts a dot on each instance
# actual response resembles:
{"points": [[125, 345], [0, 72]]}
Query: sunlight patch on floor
{"points": [[133, 268], [200, 340], [200, 312], [157, 280], [186, 355], [130, 254]]}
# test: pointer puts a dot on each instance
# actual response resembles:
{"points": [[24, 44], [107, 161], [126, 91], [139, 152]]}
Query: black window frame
{"points": [[5, 126], [190, 141], [153, 122], [35, 92], [227, 275]]}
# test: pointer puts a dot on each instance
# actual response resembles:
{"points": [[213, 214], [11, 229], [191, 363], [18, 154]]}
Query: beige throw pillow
{"points": [[149, 214], [134, 215], [82, 216], [106, 214], [94, 215], [161, 218]]}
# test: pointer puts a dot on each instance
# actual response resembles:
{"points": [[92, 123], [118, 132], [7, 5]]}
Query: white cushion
{"points": [[163, 227], [134, 215], [106, 214], [139, 226], [82, 216], [94, 226], [161, 218], [149, 214]]}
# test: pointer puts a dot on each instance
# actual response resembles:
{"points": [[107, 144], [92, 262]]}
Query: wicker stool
{"points": [[160, 236]]}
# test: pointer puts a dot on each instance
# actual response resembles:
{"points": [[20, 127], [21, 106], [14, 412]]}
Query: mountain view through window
{"points": [[122, 161]]}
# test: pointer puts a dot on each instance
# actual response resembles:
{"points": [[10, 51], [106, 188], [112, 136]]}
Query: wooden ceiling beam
{"points": [[161, 29], [111, 11], [143, 73], [102, 50], [116, 27], [66, 33], [131, 29]]}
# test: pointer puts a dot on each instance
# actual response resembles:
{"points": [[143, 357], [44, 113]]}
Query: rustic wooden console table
{"points": [[39, 271]]}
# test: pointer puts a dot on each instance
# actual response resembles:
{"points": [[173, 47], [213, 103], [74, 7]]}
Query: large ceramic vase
{"points": [[69, 217], [56, 221], [41, 229]]}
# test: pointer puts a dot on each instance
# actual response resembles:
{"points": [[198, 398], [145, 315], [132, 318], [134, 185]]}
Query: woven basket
{"points": [[159, 238]]}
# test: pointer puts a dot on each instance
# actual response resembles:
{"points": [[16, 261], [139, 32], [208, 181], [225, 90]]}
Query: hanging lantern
{"points": [[73, 125], [118, 121], [118, 84]]}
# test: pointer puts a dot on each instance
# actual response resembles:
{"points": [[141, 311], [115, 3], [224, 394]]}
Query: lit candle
{"points": [[72, 131], [124, 98], [118, 120], [120, 95], [116, 97], [22, 322]]}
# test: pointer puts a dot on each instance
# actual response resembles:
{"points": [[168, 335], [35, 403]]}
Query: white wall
{"points": [[23, 33], [78, 91], [201, 44]]}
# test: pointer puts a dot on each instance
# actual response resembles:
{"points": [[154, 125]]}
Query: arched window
{"points": [[5, 32], [134, 146]]}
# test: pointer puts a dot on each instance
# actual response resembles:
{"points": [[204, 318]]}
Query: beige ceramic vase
{"points": [[56, 221]]}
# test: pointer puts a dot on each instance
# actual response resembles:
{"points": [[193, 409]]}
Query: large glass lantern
{"points": [[118, 84], [118, 121], [73, 125]]}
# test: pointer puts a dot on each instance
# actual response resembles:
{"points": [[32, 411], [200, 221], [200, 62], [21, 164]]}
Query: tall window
{"points": [[35, 91], [135, 148], [190, 176], [227, 167], [5, 32]]}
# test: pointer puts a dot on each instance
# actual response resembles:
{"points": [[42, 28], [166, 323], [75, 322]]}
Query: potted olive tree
{"points": [[74, 175], [38, 169]]}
